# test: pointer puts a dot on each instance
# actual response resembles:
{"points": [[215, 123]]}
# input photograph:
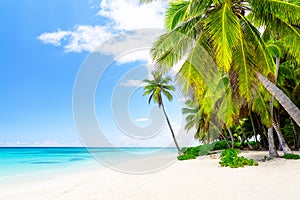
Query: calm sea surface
{"points": [[19, 160]]}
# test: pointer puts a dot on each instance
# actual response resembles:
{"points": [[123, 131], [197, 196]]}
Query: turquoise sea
{"points": [[31, 160]]}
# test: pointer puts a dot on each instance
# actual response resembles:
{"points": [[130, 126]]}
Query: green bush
{"points": [[230, 158], [220, 145], [291, 156], [253, 143], [193, 152], [186, 157], [202, 150], [238, 144]]}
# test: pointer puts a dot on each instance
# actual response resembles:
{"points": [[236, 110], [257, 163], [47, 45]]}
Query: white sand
{"points": [[201, 178]]}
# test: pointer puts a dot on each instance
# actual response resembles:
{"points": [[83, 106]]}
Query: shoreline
{"points": [[201, 178]]}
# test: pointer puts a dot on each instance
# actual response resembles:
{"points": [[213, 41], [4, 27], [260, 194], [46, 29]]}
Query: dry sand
{"points": [[201, 178]]}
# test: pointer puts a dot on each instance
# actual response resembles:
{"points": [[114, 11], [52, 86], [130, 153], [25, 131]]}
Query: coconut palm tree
{"points": [[156, 88], [206, 131], [289, 82], [226, 32]]}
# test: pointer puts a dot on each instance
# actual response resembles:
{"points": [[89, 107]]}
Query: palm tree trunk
{"points": [[272, 150], [225, 139], [283, 144], [286, 103], [171, 129], [231, 136], [296, 136], [254, 131]]}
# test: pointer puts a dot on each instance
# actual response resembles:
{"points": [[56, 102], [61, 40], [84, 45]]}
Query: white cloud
{"points": [[81, 38], [130, 14], [54, 38], [50, 143], [142, 55], [143, 119], [131, 46], [134, 83], [121, 15]]}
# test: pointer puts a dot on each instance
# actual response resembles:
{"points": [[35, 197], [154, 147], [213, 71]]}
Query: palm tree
{"points": [[196, 118], [206, 129], [227, 33], [158, 87], [289, 82]]}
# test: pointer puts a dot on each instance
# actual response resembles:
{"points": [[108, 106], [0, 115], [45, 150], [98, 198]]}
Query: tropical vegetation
{"points": [[240, 68], [156, 88], [230, 158]]}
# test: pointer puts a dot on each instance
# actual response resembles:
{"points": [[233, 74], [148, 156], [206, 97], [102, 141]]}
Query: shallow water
{"points": [[32, 160]]}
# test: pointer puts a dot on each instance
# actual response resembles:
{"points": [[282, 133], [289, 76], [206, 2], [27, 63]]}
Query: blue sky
{"points": [[44, 44]]}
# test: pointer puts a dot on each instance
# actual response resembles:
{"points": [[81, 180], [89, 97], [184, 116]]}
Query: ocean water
{"points": [[16, 161]]}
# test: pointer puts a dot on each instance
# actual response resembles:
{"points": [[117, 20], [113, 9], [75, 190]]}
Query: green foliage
{"points": [[228, 32], [291, 156], [186, 157], [253, 143], [230, 158], [237, 144], [158, 87], [219, 145], [193, 152]]}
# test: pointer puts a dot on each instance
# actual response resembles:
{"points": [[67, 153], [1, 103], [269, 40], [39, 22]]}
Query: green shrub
{"points": [[230, 158], [205, 149], [238, 144], [186, 157], [291, 156], [193, 152], [220, 145], [253, 143]]}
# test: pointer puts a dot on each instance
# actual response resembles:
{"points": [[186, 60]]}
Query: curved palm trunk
{"points": [[283, 144], [225, 139], [231, 136], [254, 131], [286, 103], [272, 149], [171, 129], [295, 135]]}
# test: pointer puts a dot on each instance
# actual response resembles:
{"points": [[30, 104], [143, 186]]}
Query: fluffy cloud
{"points": [[130, 14], [144, 119], [134, 83], [131, 46], [54, 38], [121, 15], [81, 38]]}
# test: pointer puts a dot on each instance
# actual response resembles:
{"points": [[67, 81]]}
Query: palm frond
{"points": [[176, 13], [168, 95], [263, 59], [171, 47], [223, 27], [261, 106], [268, 10], [243, 64]]}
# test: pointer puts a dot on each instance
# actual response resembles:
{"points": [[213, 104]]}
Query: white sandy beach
{"points": [[201, 178]]}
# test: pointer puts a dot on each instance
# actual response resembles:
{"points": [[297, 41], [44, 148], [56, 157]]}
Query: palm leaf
{"points": [[243, 64], [263, 59], [176, 13], [223, 27]]}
